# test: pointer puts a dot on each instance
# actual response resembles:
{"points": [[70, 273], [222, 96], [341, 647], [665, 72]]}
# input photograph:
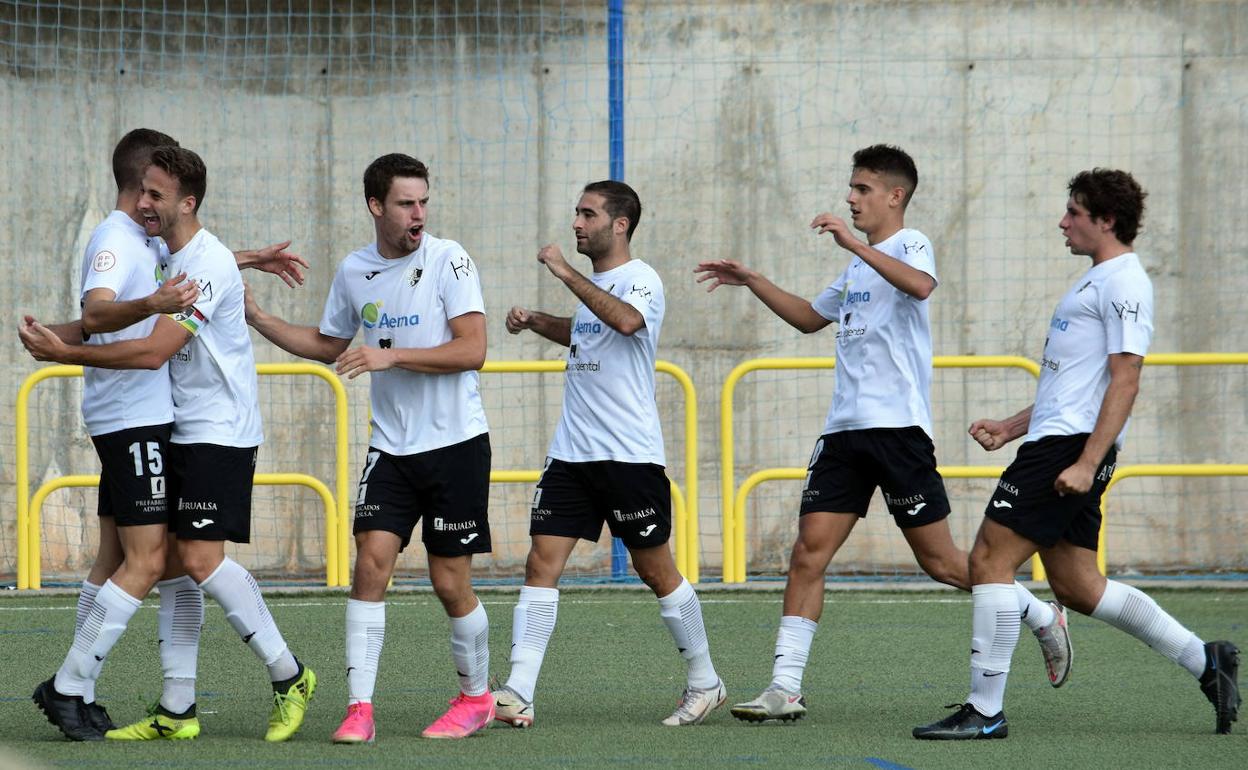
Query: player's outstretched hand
{"points": [[830, 223], [39, 340], [356, 361], [1075, 480], [518, 319], [173, 296], [724, 272], [277, 260], [990, 434]]}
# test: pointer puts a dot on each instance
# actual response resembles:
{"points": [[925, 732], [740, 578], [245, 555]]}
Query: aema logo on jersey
{"points": [[587, 327], [374, 317]]}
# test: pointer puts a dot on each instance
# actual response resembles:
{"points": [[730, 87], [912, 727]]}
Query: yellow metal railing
{"points": [[337, 557], [734, 524], [265, 479], [735, 500], [684, 504]]}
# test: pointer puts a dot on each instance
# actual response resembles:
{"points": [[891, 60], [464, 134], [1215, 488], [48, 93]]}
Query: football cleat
{"points": [[468, 714], [1055, 644], [773, 703], [964, 724], [289, 707], [511, 709], [67, 712], [158, 725], [98, 717], [1220, 682], [358, 727], [695, 705]]}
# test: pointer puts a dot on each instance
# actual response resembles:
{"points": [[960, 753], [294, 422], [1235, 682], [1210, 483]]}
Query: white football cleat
{"points": [[773, 703], [511, 709], [1055, 644], [696, 704]]}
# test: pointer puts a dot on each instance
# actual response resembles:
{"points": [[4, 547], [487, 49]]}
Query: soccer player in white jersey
{"points": [[1048, 499], [216, 431], [419, 301], [606, 461], [878, 429], [124, 410]]}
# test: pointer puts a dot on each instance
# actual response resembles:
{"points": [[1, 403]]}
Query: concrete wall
{"points": [[740, 122]]}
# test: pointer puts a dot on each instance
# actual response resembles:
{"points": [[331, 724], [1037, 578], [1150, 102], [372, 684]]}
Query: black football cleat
{"points": [[67, 712], [963, 725], [1220, 682]]}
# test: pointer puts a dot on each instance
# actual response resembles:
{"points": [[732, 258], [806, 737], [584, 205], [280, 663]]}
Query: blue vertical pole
{"points": [[615, 124]]}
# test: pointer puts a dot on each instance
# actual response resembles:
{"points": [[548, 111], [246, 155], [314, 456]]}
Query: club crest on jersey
{"points": [[104, 261], [413, 277]]}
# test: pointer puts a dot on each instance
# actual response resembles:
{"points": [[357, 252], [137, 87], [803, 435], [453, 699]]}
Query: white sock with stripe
{"points": [[180, 620], [366, 635], [994, 635], [1131, 610], [105, 623], [470, 647], [793, 641], [533, 623], [682, 613], [234, 588]]}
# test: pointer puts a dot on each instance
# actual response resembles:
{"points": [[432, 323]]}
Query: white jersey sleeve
{"points": [[110, 264], [916, 251], [340, 318], [460, 285], [828, 303], [1127, 311]]}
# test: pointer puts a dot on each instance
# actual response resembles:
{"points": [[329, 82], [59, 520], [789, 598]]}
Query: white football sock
{"points": [[533, 622], [994, 636], [1133, 611], [1036, 614], [180, 619], [470, 647], [86, 600], [793, 642], [682, 612], [105, 623], [236, 591], [366, 634]]}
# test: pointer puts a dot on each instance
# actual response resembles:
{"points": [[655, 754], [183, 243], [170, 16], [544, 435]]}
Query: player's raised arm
{"points": [[302, 341], [903, 277], [794, 310], [557, 329], [611, 310]]}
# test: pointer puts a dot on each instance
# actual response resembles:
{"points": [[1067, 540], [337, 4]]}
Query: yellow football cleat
{"points": [[289, 707], [156, 726]]}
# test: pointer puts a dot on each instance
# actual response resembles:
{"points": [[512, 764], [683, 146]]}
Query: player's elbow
{"points": [[152, 360], [93, 323]]}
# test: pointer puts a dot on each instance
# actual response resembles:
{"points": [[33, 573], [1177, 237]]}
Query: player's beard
{"points": [[597, 245]]}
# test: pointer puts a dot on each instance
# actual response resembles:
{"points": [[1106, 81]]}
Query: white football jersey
{"points": [[120, 257], [1109, 310], [214, 374], [609, 411], [883, 343], [408, 303]]}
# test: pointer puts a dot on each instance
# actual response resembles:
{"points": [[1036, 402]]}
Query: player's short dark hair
{"points": [[381, 173], [620, 200], [186, 167], [133, 153], [891, 160], [1107, 192]]}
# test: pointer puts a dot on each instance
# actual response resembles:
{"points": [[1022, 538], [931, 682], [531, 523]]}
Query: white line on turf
{"points": [[509, 603]]}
